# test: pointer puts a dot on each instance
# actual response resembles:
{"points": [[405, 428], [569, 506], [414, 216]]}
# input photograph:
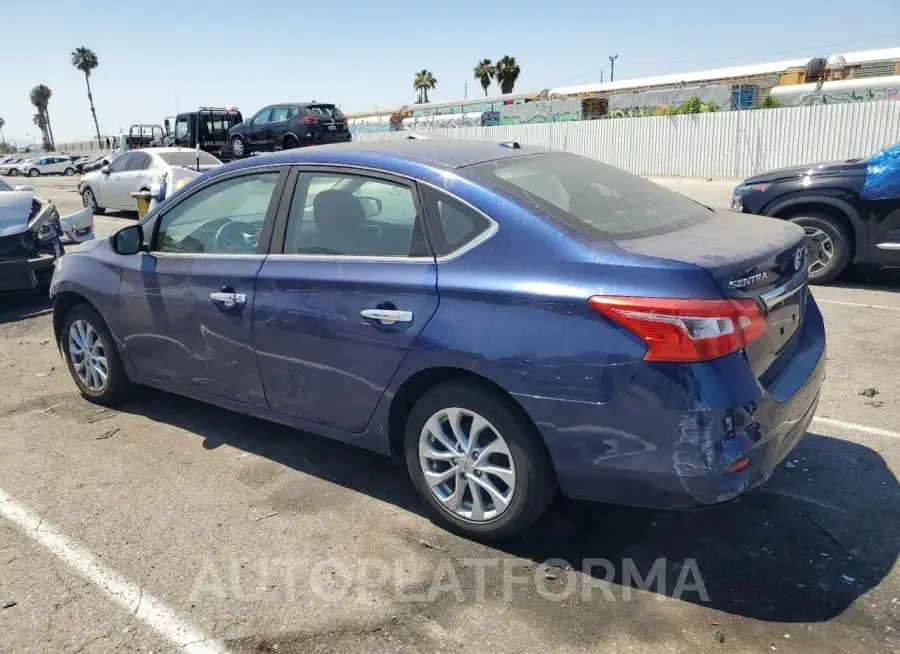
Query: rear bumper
{"points": [[78, 227], [667, 438]]}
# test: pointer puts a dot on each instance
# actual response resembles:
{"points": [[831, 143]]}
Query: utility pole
{"points": [[612, 67], [602, 72]]}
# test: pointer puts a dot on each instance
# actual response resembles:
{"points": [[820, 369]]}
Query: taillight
{"points": [[683, 331], [310, 120]]}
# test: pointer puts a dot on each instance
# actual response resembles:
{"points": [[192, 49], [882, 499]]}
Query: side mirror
{"points": [[128, 240], [25, 188], [249, 121], [105, 170], [371, 205]]}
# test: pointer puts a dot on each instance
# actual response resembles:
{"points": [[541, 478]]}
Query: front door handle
{"points": [[228, 300], [387, 316]]}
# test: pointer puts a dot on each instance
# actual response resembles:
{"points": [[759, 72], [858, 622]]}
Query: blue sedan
{"points": [[513, 322]]}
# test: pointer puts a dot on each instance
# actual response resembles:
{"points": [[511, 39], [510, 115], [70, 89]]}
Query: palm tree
{"points": [[424, 81], [41, 123], [2, 125], [86, 61], [484, 72], [40, 97], [507, 73]]}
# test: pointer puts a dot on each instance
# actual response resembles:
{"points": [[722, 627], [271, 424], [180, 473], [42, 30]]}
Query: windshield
{"points": [[189, 159], [597, 200]]}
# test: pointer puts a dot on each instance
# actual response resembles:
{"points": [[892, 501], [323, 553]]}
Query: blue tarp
{"points": [[883, 175]]}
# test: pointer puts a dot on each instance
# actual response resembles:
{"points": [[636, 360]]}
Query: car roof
{"points": [[312, 103], [391, 155], [161, 150]]}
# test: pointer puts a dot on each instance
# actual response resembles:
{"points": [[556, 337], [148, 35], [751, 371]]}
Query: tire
{"points": [[13, 172], [532, 472], [290, 142], [34, 172], [70, 172], [824, 234], [117, 386], [89, 199], [238, 147]]}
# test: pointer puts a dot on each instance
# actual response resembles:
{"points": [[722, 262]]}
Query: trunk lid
{"points": [[748, 256]]}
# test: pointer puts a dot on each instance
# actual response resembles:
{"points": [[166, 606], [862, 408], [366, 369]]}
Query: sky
{"points": [[164, 56]]}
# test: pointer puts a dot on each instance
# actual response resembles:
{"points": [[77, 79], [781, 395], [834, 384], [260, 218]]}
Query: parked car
{"points": [[843, 220], [132, 172], [29, 239], [289, 125], [12, 163], [510, 320], [76, 228], [50, 165], [87, 165]]}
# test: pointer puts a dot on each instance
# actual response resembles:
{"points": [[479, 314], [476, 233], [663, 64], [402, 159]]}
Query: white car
{"points": [[77, 228], [49, 165], [134, 172], [14, 162]]}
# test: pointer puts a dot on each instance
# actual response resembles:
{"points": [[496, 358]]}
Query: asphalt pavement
{"points": [[167, 525]]}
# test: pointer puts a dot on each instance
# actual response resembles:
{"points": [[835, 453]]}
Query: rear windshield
{"points": [[595, 199], [327, 110], [189, 158]]}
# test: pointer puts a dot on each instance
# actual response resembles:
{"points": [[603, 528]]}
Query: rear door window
{"points": [[597, 200], [451, 225]]}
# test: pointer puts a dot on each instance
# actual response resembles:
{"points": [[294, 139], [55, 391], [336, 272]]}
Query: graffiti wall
{"points": [[543, 111], [715, 97], [842, 92]]}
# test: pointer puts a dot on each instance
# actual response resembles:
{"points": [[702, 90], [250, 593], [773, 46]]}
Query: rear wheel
{"points": [[13, 172], [34, 172], [92, 357], [238, 147], [478, 463], [290, 142], [70, 172], [829, 246]]}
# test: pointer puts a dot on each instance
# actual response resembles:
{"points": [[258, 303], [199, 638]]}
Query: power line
{"points": [[732, 58]]}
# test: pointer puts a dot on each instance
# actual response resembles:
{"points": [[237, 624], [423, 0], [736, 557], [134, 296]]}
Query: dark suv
{"points": [[289, 125], [849, 209]]}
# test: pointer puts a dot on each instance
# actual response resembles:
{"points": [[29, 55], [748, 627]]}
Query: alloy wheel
{"points": [[820, 247], [467, 465], [88, 356]]}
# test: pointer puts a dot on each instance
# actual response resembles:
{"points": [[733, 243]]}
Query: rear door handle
{"points": [[228, 300], [387, 316]]}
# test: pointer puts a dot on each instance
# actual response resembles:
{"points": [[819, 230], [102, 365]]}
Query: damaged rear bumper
{"points": [[685, 436]]}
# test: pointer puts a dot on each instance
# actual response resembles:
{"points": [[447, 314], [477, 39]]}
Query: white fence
{"points": [[725, 145]]}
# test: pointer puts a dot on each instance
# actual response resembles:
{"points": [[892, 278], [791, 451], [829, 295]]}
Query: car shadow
{"points": [[823, 532], [15, 307], [870, 278]]}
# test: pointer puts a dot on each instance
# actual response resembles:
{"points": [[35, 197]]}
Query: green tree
{"points": [[485, 72], [770, 103], [423, 82], [85, 60], [508, 72], [2, 125], [40, 97]]}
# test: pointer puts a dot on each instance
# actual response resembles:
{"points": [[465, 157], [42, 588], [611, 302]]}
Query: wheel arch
{"points": [[836, 208], [418, 384], [62, 304]]}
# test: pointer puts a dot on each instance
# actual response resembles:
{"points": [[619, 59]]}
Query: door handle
{"points": [[228, 300], [387, 316]]}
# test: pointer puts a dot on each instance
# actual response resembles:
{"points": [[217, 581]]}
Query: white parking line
{"points": [[852, 426], [858, 304], [132, 597]]}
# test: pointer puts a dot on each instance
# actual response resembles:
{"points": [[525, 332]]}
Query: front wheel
{"points": [[90, 201], [70, 172], [828, 244], [13, 172], [34, 172], [92, 357], [477, 462], [238, 149]]}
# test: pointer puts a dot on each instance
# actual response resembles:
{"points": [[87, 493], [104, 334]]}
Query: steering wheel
{"points": [[232, 237]]}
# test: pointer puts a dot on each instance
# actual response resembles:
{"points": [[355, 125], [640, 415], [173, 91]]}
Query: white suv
{"points": [[52, 165]]}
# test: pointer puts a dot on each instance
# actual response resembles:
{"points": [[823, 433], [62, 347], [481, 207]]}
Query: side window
{"points": [[292, 112], [353, 215], [262, 117], [139, 161], [451, 224], [121, 163], [224, 218], [181, 128], [278, 114]]}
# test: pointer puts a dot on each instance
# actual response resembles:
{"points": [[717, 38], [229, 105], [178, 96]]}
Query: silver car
{"points": [[76, 228]]}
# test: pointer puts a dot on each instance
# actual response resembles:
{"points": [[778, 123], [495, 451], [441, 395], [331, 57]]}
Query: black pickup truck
{"points": [[209, 125]]}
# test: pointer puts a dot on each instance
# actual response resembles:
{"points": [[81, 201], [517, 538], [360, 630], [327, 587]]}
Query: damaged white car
{"points": [[31, 233]]}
